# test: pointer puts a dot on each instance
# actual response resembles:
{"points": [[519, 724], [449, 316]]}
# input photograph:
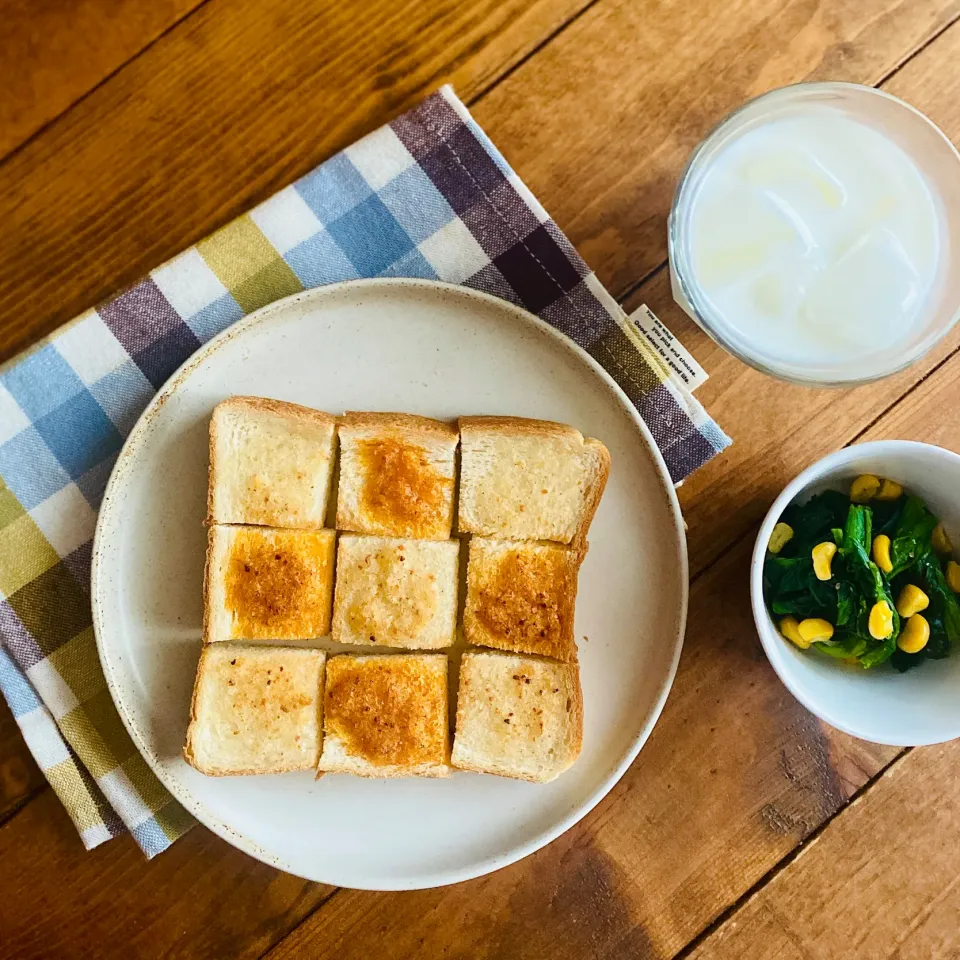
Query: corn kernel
{"points": [[864, 488], [788, 627], [911, 600], [953, 576], [823, 554], [941, 542], [815, 630], [781, 536], [889, 490], [881, 552], [880, 622], [915, 635]]}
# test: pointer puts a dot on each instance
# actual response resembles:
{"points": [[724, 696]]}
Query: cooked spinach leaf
{"points": [[792, 588]]}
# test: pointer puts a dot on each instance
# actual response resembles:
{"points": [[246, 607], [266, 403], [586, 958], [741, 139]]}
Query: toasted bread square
{"points": [[270, 463], [395, 592], [386, 715], [529, 479], [264, 583], [517, 716], [396, 475], [255, 710], [521, 597]]}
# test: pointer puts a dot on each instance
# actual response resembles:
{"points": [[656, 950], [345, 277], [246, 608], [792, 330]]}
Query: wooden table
{"points": [[746, 828]]}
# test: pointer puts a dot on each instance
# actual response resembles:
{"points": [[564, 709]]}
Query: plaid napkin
{"points": [[427, 196]]}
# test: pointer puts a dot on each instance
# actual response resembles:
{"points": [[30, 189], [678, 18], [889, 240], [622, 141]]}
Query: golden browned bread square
{"points": [[270, 463], [396, 475], [521, 597], [517, 716], [529, 479], [264, 583], [396, 592], [255, 710], [386, 715]]}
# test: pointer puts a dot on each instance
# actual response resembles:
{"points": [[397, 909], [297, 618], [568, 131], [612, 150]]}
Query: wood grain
{"points": [[600, 123], [52, 52], [779, 429], [735, 774], [20, 777], [216, 108], [232, 104], [890, 859], [201, 898], [882, 881]]}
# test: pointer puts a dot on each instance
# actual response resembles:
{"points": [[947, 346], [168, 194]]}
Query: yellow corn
{"points": [[823, 554], [788, 627], [880, 623], [864, 488], [781, 536], [911, 600], [889, 490], [953, 576], [881, 552], [815, 630], [914, 635], [941, 542]]}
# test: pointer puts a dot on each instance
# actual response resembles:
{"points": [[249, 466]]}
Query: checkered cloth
{"points": [[427, 196]]}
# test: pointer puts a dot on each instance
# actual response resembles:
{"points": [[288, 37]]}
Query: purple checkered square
{"points": [[17, 639]]}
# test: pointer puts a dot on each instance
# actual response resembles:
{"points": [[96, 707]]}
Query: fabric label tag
{"points": [[684, 368]]}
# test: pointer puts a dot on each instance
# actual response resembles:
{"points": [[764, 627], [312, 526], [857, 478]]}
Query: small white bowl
{"points": [[910, 709]]}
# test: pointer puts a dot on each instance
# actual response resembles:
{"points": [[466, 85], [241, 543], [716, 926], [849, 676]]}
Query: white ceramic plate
{"points": [[423, 348]]}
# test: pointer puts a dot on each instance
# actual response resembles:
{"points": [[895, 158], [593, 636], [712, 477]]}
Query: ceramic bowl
{"points": [[919, 707]]}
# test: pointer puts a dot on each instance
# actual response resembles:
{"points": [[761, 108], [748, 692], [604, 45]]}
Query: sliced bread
{"points": [[529, 479], [521, 597], [255, 710], [517, 716], [396, 592], [396, 475], [386, 716], [264, 583], [270, 463]]}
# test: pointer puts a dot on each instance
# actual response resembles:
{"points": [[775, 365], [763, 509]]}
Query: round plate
{"points": [[418, 347]]}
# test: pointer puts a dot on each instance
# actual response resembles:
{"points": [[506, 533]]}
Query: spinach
{"points": [[943, 601], [911, 537], [792, 588], [814, 520]]}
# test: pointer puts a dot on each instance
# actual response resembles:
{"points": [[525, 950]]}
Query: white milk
{"points": [[815, 239]]}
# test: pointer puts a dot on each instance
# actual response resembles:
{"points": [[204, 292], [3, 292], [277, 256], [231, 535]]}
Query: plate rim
{"points": [[140, 429]]}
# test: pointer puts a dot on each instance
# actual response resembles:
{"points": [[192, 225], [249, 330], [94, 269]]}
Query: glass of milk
{"points": [[815, 234]]}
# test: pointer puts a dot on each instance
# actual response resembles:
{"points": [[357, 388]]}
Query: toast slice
{"points": [[270, 463], [396, 475], [521, 597], [517, 717], [396, 592], [529, 479], [255, 710], [386, 716], [265, 583]]}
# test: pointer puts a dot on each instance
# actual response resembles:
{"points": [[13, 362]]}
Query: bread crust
{"points": [[518, 427], [208, 583], [593, 498], [292, 411], [407, 423]]}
